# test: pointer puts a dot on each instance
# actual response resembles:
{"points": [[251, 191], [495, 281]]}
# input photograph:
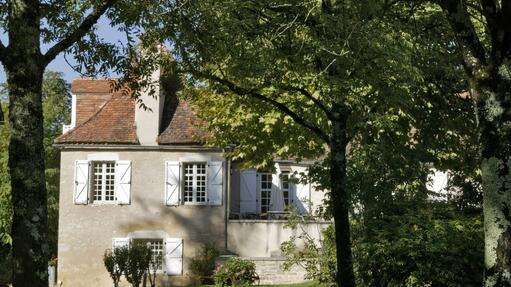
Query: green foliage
{"points": [[236, 272], [135, 263], [202, 266], [317, 258], [115, 263], [5, 205], [341, 55], [56, 112], [420, 246], [413, 244], [5, 197], [402, 92], [138, 264]]}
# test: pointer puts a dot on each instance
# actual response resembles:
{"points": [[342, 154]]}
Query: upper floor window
{"points": [[286, 192], [194, 188], [103, 181], [266, 187]]}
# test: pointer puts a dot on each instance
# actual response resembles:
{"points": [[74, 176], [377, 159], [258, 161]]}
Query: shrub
{"points": [[428, 246], [115, 263], [423, 247], [236, 272], [317, 258], [139, 261], [135, 263], [202, 266]]}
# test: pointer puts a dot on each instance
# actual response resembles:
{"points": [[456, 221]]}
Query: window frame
{"points": [[289, 190], [104, 173], [194, 183], [269, 190]]}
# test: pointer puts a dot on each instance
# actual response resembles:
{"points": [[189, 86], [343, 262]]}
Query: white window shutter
{"points": [[174, 256], [81, 188], [215, 182], [172, 182], [248, 191], [123, 181], [302, 192], [277, 197], [120, 242]]}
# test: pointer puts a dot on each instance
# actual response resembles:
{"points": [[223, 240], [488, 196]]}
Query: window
{"points": [[266, 187], [194, 189], [284, 183], [157, 251], [103, 181]]}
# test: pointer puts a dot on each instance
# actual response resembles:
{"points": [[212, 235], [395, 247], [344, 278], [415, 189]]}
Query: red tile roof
{"points": [[184, 127], [114, 123]]}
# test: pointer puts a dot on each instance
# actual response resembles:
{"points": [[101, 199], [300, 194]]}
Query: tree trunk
{"points": [[339, 197], [24, 70], [494, 120]]}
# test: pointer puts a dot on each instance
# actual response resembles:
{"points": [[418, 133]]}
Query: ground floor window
{"points": [[157, 247]]}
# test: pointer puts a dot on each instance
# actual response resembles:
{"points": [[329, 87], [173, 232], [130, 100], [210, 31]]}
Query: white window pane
{"points": [[103, 181], [266, 187], [195, 182]]}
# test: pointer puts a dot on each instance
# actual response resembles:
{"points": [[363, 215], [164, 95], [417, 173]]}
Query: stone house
{"points": [[133, 174]]}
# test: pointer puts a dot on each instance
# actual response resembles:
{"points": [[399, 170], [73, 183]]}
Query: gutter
{"points": [[136, 147], [228, 148], [228, 202]]}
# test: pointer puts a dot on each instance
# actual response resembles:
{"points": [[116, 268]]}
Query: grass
{"points": [[305, 284]]}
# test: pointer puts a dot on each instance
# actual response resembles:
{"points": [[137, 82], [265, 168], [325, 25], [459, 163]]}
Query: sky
{"points": [[59, 64]]}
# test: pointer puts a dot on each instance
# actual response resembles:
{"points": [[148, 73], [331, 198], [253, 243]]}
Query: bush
{"points": [[115, 263], [423, 247], [134, 262], [236, 272], [316, 258], [139, 262], [426, 246], [202, 266]]}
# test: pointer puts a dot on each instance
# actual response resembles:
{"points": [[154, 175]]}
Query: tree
{"points": [[56, 111], [323, 67], [67, 27], [56, 104], [481, 37]]}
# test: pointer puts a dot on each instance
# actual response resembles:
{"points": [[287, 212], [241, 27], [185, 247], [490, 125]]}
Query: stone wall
{"points": [[262, 238], [270, 271], [259, 241]]}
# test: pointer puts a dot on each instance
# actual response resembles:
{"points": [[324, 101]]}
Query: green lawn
{"points": [[306, 284]]}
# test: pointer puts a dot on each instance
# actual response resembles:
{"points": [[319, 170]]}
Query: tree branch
{"points": [[3, 51], [1, 114], [506, 24], [79, 32], [254, 94], [309, 96], [459, 18]]}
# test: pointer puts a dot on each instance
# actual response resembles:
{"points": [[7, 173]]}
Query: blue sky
{"points": [[59, 64]]}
